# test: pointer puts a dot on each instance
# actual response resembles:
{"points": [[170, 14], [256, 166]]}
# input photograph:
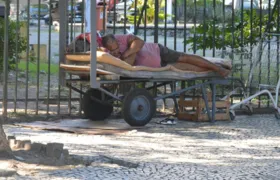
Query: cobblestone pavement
{"points": [[246, 148]]}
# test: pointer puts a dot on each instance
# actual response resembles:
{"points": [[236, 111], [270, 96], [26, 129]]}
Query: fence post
{"points": [[5, 63], [156, 22]]}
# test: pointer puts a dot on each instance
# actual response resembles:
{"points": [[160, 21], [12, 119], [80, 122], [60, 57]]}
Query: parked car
{"points": [[34, 10], [2, 11], [76, 17]]}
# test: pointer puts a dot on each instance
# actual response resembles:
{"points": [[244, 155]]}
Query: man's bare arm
{"points": [[135, 44], [130, 59]]}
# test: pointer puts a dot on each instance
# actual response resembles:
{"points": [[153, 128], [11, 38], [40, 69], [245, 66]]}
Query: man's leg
{"points": [[187, 62], [202, 63], [188, 67]]}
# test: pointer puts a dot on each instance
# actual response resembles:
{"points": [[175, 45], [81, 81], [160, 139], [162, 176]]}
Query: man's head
{"points": [[110, 43]]}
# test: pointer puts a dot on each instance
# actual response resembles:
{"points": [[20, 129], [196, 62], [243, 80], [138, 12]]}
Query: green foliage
{"points": [[229, 36], [13, 42], [150, 11], [54, 68]]}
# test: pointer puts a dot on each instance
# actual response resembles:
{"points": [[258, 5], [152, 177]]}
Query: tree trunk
{"points": [[5, 150]]}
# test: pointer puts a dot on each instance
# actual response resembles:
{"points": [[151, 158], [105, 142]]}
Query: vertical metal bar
{"points": [[115, 18], [214, 28], [156, 22], [232, 34], [6, 58], [269, 39], [260, 65], [278, 44], [213, 87], [269, 47], [174, 97], [63, 35], [124, 29], [145, 22], [223, 38], [251, 38], [204, 26], [155, 89], [242, 39], [164, 100], [27, 57], [71, 24], [204, 96], [185, 24], [38, 58], [104, 15], [83, 15], [93, 82], [165, 22], [16, 78], [140, 18], [81, 99], [175, 25], [135, 7], [83, 31], [223, 31], [194, 35], [73, 15], [49, 61]]}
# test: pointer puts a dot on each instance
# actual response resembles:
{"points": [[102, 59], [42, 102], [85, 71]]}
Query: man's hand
{"points": [[102, 49], [130, 59]]}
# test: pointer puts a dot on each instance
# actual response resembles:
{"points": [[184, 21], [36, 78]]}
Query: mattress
{"points": [[112, 65]]}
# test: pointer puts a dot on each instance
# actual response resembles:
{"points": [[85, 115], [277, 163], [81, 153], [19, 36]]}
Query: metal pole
{"points": [[62, 37], [38, 58], [5, 63], [63, 11], [27, 56], [93, 81], [156, 21]]}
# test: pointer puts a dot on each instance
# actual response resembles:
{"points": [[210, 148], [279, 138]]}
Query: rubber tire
{"points": [[95, 110], [128, 117]]}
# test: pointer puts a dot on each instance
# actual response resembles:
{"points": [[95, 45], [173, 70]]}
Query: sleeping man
{"points": [[137, 52]]}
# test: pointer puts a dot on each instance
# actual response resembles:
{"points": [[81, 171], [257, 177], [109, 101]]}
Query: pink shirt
{"points": [[148, 56]]}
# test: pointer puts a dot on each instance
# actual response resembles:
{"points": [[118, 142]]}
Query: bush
{"points": [[13, 52]]}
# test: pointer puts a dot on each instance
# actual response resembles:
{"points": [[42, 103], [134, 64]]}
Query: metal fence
{"points": [[30, 38]]}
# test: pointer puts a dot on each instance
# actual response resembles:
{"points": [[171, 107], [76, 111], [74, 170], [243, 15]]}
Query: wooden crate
{"points": [[195, 110]]}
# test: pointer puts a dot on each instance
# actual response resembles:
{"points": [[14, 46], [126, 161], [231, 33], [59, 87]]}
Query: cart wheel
{"points": [[232, 115], [277, 115], [138, 107], [249, 109], [96, 109]]}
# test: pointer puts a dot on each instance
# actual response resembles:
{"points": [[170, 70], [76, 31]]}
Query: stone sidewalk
{"points": [[246, 148]]}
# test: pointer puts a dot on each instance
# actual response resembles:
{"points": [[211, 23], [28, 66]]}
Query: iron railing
{"points": [[31, 78]]}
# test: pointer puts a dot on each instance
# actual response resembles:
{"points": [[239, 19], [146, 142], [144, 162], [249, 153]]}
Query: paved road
{"points": [[247, 148]]}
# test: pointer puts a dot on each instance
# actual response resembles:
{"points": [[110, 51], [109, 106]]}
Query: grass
{"points": [[43, 67]]}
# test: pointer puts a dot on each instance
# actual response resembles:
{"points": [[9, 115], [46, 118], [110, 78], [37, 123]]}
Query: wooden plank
{"points": [[84, 68], [188, 103], [78, 57], [75, 67], [186, 116], [219, 104]]}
